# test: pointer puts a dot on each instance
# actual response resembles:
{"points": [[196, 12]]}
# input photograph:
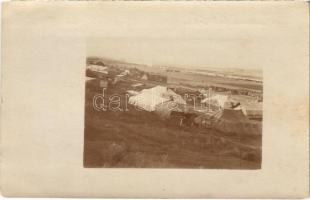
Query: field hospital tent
{"points": [[250, 108], [234, 121], [148, 99], [174, 97], [98, 68], [216, 99]]}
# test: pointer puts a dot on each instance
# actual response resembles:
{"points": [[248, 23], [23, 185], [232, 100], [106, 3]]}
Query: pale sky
{"points": [[186, 52], [199, 35]]}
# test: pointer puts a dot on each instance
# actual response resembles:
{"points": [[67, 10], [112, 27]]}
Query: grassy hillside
{"points": [[142, 139]]}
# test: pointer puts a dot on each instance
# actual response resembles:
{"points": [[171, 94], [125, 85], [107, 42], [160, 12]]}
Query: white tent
{"points": [[174, 97], [98, 68], [220, 99], [148, 99]]}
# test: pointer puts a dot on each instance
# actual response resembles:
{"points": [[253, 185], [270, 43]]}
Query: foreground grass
{"points": [[141, 139]]}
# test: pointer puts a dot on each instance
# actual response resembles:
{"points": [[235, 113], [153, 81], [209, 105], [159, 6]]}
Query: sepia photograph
{"points": [[155, 99], [145, 108]]}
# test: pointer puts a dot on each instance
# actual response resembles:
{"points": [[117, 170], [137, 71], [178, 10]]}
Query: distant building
{"points": [[96, 71], [172, 70], [100, 63], [119, 77], [98, 68], [126, 72], [144, 77]]}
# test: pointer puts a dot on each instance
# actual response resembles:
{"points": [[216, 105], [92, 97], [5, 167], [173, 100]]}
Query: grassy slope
{"points": [[141, 139]]}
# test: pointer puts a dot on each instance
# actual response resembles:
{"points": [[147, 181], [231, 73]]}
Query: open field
{"points": [[201, 80], [142, 139]]}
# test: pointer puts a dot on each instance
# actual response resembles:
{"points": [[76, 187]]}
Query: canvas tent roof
{"points": [[248, 105], [221, 99], [148, 99], [98, 68], [174, 96], [157, 90]]}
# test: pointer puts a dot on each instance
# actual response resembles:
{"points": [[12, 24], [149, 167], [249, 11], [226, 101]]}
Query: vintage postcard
{"points": [[155, 99], [155, 115]]}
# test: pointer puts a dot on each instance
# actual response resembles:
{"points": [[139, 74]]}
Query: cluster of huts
{"points": [[226, 113], [167, 104], [106, 74]]}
